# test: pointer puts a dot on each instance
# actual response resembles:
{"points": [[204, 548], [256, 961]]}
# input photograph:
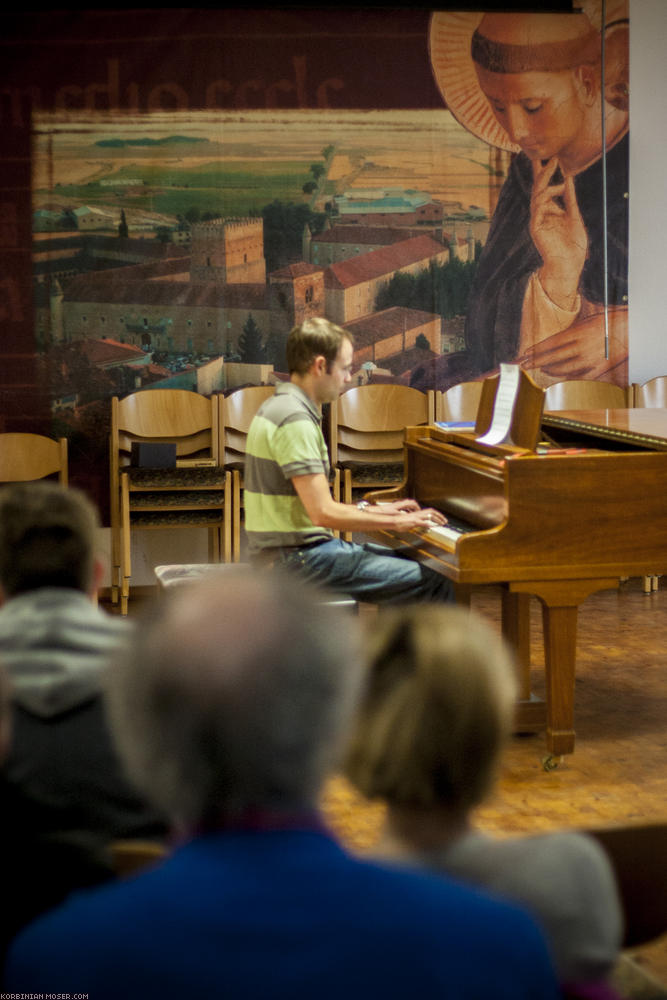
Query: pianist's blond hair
{"points": [[438, 707]]}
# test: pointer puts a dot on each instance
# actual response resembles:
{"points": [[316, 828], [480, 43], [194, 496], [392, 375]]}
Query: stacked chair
{"points": [[236, 412], [366, 431], [165, 473]]}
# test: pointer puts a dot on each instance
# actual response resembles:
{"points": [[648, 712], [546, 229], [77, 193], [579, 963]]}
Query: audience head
{"points": [[48, 538], [437, 709], [235, 696], [312, 338]]}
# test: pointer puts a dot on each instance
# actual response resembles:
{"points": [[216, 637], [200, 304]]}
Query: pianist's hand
{"points": [[417, 518], [400, 506]]}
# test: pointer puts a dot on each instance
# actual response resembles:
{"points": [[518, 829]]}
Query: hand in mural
{"points": [[558, 232], [579, 351]]}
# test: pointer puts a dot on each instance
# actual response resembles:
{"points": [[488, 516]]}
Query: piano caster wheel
{"points": [[551, 762]]}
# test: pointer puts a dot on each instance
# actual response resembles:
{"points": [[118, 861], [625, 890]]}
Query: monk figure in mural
{"points": [[550, 289]]}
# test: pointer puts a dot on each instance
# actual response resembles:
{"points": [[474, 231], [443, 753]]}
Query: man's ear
{"points": [[319, 365]]}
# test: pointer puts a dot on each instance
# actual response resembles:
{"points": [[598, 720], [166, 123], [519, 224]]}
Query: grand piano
{"points": [[583, 506]]}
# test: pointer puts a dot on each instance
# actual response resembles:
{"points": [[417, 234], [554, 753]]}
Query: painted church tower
{"points": [[228, 252]]}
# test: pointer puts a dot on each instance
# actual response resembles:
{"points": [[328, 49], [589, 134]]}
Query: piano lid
{"points": [[634, 427]]}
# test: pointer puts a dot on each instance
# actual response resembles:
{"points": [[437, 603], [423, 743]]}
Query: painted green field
{"points": [[221, 188]]}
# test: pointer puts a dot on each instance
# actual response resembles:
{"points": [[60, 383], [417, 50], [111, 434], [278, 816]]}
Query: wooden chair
{"points": [[195, 493], [26, 457], [236, 413], [459, 402], [585, 394], [366, 431], [652, 393]]}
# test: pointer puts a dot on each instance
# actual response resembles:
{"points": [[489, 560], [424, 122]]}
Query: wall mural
{"points": [[452, 208]]}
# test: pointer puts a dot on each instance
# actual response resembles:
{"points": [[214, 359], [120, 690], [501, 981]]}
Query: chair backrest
{"points": [[186, 418], [25, 457], [638, 857], [652, 393], [459, 402], [236, 413], [585, 394], [367, 422]]}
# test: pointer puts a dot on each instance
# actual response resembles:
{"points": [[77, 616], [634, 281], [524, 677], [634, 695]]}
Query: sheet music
{"points": [[503, 407]]}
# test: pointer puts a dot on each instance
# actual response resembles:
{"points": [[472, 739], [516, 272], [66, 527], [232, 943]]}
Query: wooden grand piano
{"points": [[558, 525]]}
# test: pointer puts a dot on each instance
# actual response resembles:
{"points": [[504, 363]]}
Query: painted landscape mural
{"points": [[177, 247]]}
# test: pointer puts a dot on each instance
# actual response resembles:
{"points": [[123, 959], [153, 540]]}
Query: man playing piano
{"points": [[290, 513]]}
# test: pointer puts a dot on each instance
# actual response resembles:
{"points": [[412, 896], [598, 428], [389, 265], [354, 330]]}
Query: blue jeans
{"points": [[369, 573]]}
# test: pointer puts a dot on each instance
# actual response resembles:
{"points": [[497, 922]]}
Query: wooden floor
{"points": [[618, 772]]}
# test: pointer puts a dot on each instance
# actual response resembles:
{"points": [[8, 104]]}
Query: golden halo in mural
{"points": [[450, 35]]}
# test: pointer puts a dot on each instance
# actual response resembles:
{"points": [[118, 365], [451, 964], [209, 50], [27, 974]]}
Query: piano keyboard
{"points": [[450, 532]]}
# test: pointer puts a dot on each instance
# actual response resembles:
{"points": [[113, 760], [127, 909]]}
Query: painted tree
{"points": [[251, 345]]}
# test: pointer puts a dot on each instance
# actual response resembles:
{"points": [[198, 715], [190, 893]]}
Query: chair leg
{"points": [[124, 544], [213, 544], [235, 519], [115, 550], [124, 596]]}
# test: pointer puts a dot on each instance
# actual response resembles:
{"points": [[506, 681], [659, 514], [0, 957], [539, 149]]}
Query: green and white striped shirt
{"points": [[285, 440]]}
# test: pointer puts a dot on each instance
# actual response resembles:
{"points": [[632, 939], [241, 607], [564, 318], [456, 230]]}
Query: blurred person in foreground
{"points": [[230, 709], [63, 793], [428, 739]]}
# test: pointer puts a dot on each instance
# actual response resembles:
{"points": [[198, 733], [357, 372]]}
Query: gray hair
{"points": [[235, 694]]}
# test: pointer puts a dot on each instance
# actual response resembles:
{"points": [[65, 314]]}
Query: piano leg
{"points": [[530, 710], [560, 653], [560, 604]]}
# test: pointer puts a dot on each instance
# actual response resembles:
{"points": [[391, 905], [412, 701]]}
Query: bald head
{"points": [[235, 695]]}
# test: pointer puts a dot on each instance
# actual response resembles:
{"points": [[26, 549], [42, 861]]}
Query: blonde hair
{"points": [[438, 707]]}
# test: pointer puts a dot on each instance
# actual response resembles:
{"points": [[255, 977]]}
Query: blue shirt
{"points": [[282, 914]]}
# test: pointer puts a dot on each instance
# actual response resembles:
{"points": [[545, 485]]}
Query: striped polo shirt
{"points": [[285, 440]]}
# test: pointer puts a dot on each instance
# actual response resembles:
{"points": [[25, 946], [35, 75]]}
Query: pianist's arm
{"points": [[400, 515]]}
